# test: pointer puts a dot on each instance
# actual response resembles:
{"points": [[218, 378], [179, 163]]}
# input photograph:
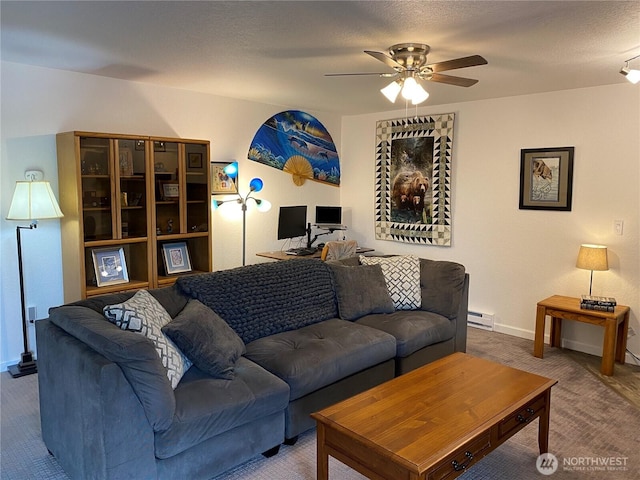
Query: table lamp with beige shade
{"points": [[592, 257]]}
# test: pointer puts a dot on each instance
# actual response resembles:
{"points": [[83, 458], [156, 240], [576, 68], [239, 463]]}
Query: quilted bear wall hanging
{"points": [[413, 179]]}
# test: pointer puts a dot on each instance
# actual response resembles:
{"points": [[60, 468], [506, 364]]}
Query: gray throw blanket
{"points": [[268, 298]]}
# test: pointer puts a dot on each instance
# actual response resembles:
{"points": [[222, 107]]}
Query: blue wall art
{"points": [[297, 143]]}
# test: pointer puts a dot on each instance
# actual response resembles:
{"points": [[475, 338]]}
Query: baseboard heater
{"points": [[483, 321]]}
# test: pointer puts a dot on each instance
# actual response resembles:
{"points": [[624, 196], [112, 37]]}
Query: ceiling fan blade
{"points": [[349, 74], [451, 80], [386, 59], [463, 62]]}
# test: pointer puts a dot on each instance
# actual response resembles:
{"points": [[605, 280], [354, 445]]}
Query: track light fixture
{"points": [[632, 75]]}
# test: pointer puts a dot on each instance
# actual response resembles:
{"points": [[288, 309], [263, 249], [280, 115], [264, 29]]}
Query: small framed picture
{"points": [[125, 158], [546, 178], [194, 160], [169, 189], [176, 257], [221, 183], [110, 266]]}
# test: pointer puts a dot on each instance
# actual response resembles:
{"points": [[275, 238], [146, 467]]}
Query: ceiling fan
{"points": [[409, 60]]}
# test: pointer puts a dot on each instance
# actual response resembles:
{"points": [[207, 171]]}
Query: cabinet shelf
{"points": [[117, 242], [121, 287], [96, 209], [180, 236]]}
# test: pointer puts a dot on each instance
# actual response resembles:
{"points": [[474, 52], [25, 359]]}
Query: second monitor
{"points": [[329, 217]]}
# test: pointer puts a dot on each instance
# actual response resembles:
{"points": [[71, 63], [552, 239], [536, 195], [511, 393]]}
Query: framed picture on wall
{"points": [[221, 183], [110, 266], [176, 257], [546, 178]]}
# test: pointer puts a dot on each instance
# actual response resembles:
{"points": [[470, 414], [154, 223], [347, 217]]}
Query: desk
{"points": [[616, 326], [281, 255]]}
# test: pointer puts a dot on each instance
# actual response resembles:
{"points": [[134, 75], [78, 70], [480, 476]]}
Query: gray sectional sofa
{"points": [[259, 348]]}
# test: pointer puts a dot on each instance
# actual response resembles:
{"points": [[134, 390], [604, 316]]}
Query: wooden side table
{"points": [[616, 326]]}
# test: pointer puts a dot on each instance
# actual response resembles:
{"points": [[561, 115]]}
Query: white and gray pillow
{"points": [[402, 276], [143, 314]]}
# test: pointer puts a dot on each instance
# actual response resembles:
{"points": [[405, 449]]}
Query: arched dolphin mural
{"points": [[297, 143]]}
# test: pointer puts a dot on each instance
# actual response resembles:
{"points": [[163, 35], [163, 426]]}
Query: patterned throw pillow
{"points": [[142, 313], [402, 276]]}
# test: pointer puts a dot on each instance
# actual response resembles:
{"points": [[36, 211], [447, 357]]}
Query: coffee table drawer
{"points": [[514, 422], [459, 461]]}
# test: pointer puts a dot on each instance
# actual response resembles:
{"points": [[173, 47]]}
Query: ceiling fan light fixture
{"points": [[419, 95], [392, 90], [409, 88]]}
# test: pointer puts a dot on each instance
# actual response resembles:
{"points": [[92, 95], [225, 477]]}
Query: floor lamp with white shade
{"points": [[32, 200]]}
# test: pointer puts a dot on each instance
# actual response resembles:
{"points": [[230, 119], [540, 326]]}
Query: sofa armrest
{"points": [[91, 419]]}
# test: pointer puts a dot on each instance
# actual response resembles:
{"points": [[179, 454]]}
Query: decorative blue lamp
{"points": [[255, 185]]}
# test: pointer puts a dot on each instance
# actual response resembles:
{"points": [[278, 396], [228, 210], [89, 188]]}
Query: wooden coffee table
{"points": [[434, 422]]}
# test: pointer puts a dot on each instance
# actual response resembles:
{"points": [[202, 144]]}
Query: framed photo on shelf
{"points": [[125, 158], [546, 178], [169, 189], [194, 160], [110, 266], [221, 183], [176, 257]]}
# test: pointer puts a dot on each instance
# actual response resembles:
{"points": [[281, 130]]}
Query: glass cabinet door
{"points": [[132, 188], [198, 197], [168, 189], [95, 172]]}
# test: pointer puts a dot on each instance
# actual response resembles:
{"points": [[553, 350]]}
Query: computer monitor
{"points": [[328, 216], [292, 222]]}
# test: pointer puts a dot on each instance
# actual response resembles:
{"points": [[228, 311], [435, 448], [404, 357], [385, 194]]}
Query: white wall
{"points": [[519, 257], [37, 103]]}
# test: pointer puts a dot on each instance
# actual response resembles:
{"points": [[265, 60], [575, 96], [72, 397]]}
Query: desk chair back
{"points": [[337, 250]]}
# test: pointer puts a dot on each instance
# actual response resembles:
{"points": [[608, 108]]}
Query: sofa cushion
{"points": [[361, 290], [402, 275], [442, 286], [135, 354], [143, 313], [206, 339], [320, 354], [206, 407], [412, 329], [266, 298]]}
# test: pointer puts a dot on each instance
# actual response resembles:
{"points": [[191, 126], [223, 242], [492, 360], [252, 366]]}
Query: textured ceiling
{"points": [[278, 52]]}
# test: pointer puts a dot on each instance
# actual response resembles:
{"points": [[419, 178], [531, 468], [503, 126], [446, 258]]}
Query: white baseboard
{"points": [[566, 343]]}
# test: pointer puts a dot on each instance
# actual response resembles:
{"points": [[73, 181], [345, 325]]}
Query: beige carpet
{"points": [[591, 422]]}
